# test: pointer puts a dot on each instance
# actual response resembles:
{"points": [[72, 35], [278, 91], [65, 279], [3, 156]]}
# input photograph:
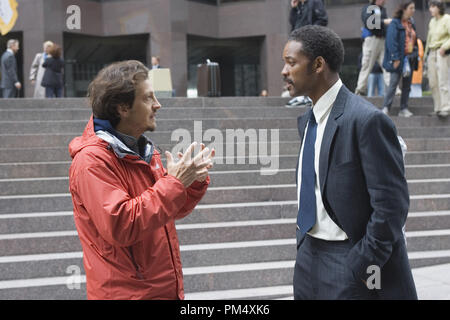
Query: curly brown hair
{"points": [[55, 51], [113, 86]]}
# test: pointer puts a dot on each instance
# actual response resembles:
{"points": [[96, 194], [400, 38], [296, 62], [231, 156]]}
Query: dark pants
{"points": [[9, 92], [390, 92], [321, 272], [53, 92]]}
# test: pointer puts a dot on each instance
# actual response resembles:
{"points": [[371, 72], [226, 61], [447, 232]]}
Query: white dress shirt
{"points": [[325, 228]]}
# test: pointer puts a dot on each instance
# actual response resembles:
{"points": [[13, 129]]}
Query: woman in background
{"points": [[53, 80], [437, 57], [400, 43]]}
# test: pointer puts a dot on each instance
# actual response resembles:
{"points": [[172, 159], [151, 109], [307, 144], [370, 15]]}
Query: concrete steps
{"points": [[239, 243], [259, 192], [286, 161], [39, 127], [193, 114], [63, 202]]}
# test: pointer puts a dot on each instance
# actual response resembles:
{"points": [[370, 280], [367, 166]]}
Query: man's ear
{"points": [[319, 65], [123, 111]]}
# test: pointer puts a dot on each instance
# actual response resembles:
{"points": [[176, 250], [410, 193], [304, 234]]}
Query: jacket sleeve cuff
{"points": [[200, 185], [178, 192]]}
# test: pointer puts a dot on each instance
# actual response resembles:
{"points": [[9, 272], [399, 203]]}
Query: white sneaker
{"points": [[385, 110], [405, 113]]}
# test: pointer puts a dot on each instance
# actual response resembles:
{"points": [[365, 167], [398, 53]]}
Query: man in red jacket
{"points": [[125, 202]]}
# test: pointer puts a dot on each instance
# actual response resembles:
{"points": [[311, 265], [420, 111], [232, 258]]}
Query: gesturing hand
{"points": [[204, 173], [188, 170]]}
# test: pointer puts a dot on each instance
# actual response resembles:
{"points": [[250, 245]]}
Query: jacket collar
{"points": [[325, 103], [105, 131], [330, 131]]}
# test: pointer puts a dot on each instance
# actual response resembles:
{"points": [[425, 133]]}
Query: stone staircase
{"points": [[239, 243]]}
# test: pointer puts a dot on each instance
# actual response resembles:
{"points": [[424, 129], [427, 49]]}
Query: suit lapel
{"points": [[328, 136], [302, 121]]}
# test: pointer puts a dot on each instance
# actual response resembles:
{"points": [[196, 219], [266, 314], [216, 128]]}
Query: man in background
{"points": [[373, 45], [156, 62], [10, 81], [303, 13]]}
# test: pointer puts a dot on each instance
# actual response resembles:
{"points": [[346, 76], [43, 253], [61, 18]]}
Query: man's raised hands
{"points": [[188, 170]]}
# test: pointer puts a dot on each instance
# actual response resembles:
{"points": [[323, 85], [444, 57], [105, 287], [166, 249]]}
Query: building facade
{"points": [[246, 37]]}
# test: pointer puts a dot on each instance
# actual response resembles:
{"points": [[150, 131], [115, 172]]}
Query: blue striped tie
{"points": [[306, 218]]}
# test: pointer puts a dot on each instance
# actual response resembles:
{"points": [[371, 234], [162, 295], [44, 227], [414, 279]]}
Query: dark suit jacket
{"points": [[364, 190], [9, 70]]}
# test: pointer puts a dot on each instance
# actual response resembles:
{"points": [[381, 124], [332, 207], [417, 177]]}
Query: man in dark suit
{"points": [[10, 82], [353, 195]]}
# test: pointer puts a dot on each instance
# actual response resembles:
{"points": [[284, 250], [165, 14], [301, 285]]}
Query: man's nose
{"points": [[284, 72], [156, 105]]}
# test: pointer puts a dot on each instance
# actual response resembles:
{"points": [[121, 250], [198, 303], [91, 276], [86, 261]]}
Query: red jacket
{"points": [[125, 211]]}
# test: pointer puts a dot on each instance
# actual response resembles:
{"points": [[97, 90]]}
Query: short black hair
{"points": [[439, 4], [318, 41]]}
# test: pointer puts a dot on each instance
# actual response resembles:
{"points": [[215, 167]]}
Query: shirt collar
{"points": [[323, 106], [9, 50], [130, 142]]}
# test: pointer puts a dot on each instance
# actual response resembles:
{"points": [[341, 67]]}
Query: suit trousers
{"points": [[321, 272], [438, 78], [9, 92]]}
